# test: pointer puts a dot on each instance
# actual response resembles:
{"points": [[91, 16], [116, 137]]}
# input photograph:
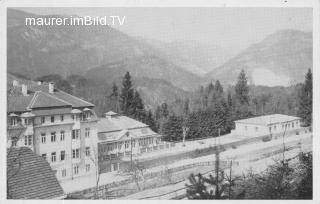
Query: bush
{"points": [[266, 139]]}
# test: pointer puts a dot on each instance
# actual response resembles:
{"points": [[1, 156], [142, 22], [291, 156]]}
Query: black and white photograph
{"points": [[159, 103]]}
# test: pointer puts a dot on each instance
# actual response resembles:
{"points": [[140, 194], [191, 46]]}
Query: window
{"points": [[119, 145], [28, 140], [43, 138], [64, 172], [87, 151], [62, 135], [270, 129], [292, 125], [275, 127], [257, 129], [43, 120], [53, 157], [52, 119], [53, 137], [87, 132], [75, 153], [87, 167], [14, 143], [75, 134], [44, 156], [14, 121], [76, 169], [245, 127], [61, 118], [126, 145], [62, 155], [133, 143]]}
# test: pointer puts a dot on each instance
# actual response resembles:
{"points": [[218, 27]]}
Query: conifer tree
{"points": [[305, 100], [242, 89], [114, 97], [127, 96], [150, 121], [218, 88], [172, 129]]}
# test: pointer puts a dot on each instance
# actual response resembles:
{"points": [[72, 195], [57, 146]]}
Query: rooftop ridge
{"points": [[76, 97], [56, 98], [36, 94]]}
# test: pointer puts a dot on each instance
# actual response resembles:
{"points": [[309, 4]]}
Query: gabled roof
{"points": [[42, 100], [18, 103], [39, 97], [30, 176], [75, 101], [268, 119], [118, 123]]}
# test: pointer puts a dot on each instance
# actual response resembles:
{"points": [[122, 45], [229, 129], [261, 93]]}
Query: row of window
{"points": [[118, 145], [54, 156], [26, 121], [53, 137], [75, 154], [75, 135], [52, 119], [75, 170], [284, 126]]}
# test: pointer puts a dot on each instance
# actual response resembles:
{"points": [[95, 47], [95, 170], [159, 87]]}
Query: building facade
{"points": [[266, 125], [122, 139], [58, 126]]}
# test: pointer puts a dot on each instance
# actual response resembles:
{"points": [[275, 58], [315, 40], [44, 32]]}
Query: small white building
{"points": [[119, 137], [266, 125]]}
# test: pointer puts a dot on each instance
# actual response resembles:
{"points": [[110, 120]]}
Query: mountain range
{"points": [[281, 58], [104, 54]]}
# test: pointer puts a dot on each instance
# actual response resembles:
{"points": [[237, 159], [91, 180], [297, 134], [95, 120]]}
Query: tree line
{"points": [[208, 112]]}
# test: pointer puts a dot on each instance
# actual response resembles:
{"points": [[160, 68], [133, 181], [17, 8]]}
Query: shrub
{"points": [[266, 139]]}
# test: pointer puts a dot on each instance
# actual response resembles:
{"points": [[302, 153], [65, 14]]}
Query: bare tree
{"points": [[137, 171], [95, 160]]}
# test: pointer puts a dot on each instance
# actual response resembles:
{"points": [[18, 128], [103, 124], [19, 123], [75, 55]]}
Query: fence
{"points": [[103, 189]]}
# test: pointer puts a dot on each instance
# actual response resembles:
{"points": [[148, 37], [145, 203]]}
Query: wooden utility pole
{"points": [[230, 179], [131, 153]]}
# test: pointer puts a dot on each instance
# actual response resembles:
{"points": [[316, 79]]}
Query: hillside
{"points": [[280, 59], [198, 58], [35, 51]]}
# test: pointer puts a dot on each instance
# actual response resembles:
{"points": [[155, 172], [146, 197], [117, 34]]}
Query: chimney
{"points": [[24, 89], [51, 87], [15, 83]]}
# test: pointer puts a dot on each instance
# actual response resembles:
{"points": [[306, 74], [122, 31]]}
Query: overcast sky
{"points": [[231, 28]]}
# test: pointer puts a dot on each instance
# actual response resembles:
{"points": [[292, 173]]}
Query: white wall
{"points": [[258, 130]]}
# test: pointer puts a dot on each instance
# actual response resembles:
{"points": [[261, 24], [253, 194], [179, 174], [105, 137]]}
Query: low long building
{"points": [[266, 125], [120, 138]]}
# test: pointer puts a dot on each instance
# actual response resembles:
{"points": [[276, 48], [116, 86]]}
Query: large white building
{"points": [[266, 125], [58, 126]]}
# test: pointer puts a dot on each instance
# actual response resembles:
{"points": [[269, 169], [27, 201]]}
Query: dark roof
{"points": [[30, 176], [42, 100], [75, 101], [39, 97], [18, 103]]}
